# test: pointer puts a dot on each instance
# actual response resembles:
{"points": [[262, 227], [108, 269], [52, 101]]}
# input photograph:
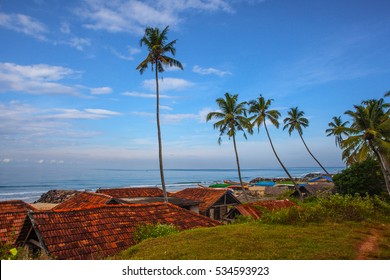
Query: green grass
{"points": [[262, 241]]}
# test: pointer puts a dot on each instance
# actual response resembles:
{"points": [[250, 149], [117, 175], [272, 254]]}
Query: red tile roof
{"points": [[12, 215], [132, 192], [84, 200], [206, 196], [106, 230], [254, 209]]}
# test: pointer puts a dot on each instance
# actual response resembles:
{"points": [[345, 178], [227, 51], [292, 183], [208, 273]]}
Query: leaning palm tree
{"points": [[262, 113], [337, 128], [156, 42], [230, 119], [369, 135], [297, 121]]}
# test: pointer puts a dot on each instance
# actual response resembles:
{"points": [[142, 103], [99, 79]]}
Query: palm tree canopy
{"points": [[370, 124], [231, 117], [295, 121], [155, 41], [260, 108], [337, 128]]}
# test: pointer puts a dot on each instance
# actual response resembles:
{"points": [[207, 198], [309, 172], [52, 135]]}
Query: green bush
{"points": [[146, 231], [362, 177], [8, 252], [333, 208]]}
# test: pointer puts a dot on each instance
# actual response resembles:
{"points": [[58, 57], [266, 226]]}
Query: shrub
{"points": [[146, 231], [362, 177], [7, 252], [333, 208]]}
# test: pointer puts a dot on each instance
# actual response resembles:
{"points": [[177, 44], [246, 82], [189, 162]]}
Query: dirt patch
{"points": [[370, 245]]}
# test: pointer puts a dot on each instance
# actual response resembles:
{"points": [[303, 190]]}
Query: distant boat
{"points": [[265, 184]]}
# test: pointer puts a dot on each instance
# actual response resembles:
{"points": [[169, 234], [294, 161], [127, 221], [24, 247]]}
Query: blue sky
{"points": [[70, 93]]}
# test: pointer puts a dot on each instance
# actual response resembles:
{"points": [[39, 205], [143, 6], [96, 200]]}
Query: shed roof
{"points": [[253, 209], [132, 192], [207, 197], [102, 231], [84, 200], [12, 215]]}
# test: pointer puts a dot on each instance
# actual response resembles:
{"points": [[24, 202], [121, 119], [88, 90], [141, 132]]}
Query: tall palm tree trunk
{"points": [[382, 164], [307, 148], [159, 139], [280, 162], [239, 169]]}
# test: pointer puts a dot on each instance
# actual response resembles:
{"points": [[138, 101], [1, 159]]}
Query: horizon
{"points": [[70, 94]]}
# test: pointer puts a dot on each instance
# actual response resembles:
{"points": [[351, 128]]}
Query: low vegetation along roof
{"points": [[99, 232], [132, 192], [254, 209], [12, 215]]}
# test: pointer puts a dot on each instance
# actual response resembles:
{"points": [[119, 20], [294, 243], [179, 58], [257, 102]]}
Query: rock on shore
{"points": [[56, 196]]}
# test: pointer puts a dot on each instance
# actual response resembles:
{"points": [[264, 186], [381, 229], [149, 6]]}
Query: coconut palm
{"points": [[230, 119], [297, 121], [156, 42], [369, 135], [261, 113], [337, 128]]}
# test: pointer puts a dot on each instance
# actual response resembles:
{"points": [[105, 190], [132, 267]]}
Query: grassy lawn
{"points": [[265, 241]]}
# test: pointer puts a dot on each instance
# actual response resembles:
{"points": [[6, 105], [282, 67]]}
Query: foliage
{"points": [[231, 117], [146, 231], [362, 178], [262, 242], [8, 252], [333, 208]]}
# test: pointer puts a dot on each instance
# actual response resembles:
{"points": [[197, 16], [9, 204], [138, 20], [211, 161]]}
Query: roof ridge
{"points": [[105, 206]]}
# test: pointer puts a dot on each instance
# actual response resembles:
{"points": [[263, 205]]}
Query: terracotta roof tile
{"points": [[98, 232], [132, 192], [12, 215], [254, 209], [83, 200], [206, 196]]}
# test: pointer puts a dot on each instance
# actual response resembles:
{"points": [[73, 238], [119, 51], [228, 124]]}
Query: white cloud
{"points": [[87, 114], [209, 71], [24, 125], [168, 84], [163, 107], [129, 55], [6, 160], [78, 43], [101, 90], [176, 118], [36, 79], [65, 27], [144, 95], [132, 15], [23, 24]]}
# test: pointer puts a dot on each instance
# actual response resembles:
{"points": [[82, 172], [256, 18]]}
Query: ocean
{"points": [[29, 184]]}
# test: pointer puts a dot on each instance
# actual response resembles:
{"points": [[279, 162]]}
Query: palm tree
{"points": [[369, 135], [297, 121], [337, 129], [156, 42], [260, 109], [231, 118]]}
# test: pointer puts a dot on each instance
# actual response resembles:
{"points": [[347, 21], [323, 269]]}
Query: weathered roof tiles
{"points": [[206, 196], [132, 192], [85, 200], [98, 232], [12, 215]]}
